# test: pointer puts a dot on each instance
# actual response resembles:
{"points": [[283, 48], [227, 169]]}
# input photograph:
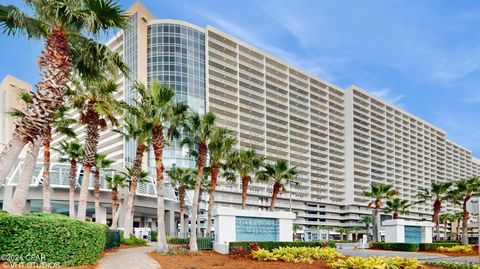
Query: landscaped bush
{"points": [[435, 246], [202, 242], [454, 265], [270, 245], [462, 249], [447, 241], [154, 236], [395, 246], [50, 239], [296, 254], [355, 262], [113, 239]]}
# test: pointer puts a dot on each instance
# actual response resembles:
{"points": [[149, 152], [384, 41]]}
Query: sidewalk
{"points": [[129, 258]]}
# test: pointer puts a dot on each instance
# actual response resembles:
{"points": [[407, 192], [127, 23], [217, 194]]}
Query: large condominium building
{"points": [[341, 140]]}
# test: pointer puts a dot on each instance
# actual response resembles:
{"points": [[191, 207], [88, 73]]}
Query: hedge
{"points": [[49, 239], [203, 243], [435, 245], [270, 245], [395, 246], [113, 239], [154, 236], [447, 241]]}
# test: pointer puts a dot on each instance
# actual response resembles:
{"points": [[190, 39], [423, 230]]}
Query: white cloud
{"points": [[389, 96]]}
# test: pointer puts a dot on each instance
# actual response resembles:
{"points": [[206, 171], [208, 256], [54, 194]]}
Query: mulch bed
{"points": [[452, 254]]}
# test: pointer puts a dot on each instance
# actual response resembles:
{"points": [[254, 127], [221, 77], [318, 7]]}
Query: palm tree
{"points": [[378, 193], [397, 206], [95, 102], [204, 187], [130, 175], [71, 152], [101, 162], [458, 216], [197, 131], [367, 220], [61, 124], [220, 146], [183, 179], [281, 175], [115, 182], [438, 193], [445, 218], [137, 129], [165, 116], [246, 163], [465, 188], [66, 27]]}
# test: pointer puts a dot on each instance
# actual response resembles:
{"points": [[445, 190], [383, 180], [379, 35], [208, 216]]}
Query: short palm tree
{"points": [[246, 163], [61, 124], [367, 221], [444, 219], [95, 102], [115, 182], [397, 206], [197, 129], [220, 146], [183, 179], [165, 116], [281, 174], [378, 193], [101, 163], [72, 153], [464, 190], [438, 193], [66, 28]]}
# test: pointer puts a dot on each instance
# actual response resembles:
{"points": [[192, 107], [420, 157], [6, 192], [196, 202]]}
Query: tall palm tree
{"points": [[438, 193], [95, 102], [281, 175], [246, 163], [66, 27], [165, 116], [220, 146], [197, 129], [465, 188], [183, 179], [101, 163], [115, 182], [138, 130], [397, 206], [71, 152], [61, 124], [378, 193], [367, 220]]}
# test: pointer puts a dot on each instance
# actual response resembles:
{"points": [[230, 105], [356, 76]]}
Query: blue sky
{"points": [[423, 56]]}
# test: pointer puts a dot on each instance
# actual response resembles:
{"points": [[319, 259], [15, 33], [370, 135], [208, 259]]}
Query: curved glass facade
{"points": [[176, 57]]}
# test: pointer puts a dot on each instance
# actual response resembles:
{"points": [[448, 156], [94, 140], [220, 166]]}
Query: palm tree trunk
{"points": [[376, 218], [445, 230], [181, 205], [96, 177], [244, 192], [202, 155], [46, 170], [9, 156], [211, 198], [137, 170], [117, 214], [465, 221], [114, 203], [55, 64], [158, 145], [198, 213], [368, 232], [276, 189], [21, 191], [73, 183], [458, 228], [91, 143], [437, 205]]}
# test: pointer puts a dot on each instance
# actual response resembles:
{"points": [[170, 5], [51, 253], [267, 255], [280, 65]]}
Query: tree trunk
{"points": [[198, 213], [445, 230], [21, 191], [96, 177], [9, 156], [114, 203], [437, 205], [181, 204], [368, 232], [73, 183], [458, 228], [55, 67], [137, 170], [244, 192], [211, 198], [158, 145], [376, 221], [47, 208], [91, 144], [465, 221], [276, 189], [117, 214], [202, 154]]}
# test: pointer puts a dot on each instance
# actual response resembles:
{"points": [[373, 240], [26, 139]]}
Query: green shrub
{"points": [[113, 239], [296, 254], [454, 265], [50, 239], [355, 262], [154, 235], [395, 246], [447, 241], [270, 245], [435, 246]]}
